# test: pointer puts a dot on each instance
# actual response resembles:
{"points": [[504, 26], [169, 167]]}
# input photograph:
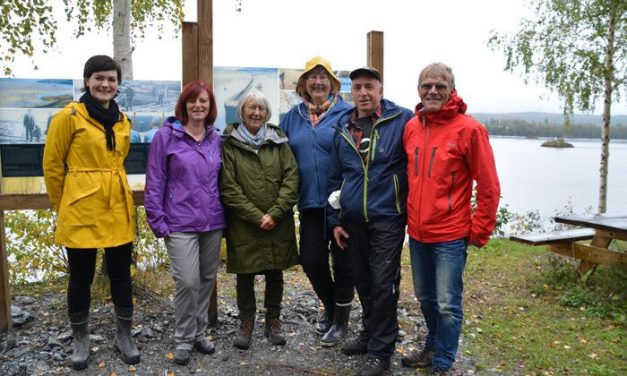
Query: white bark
{"points": [[122, 51], [607, 106]]}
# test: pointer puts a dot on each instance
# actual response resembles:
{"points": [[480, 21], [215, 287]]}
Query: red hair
{"points": [[191, 92]]}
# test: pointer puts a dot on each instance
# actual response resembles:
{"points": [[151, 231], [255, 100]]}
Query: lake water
{"points": [[547, 180]]}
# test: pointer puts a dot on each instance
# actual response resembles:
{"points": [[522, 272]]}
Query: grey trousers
{"points": [[194, 264]]}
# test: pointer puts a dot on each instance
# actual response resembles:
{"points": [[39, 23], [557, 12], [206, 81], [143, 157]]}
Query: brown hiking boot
{"points": [[274, 333], [417, 359], [245, 335]]}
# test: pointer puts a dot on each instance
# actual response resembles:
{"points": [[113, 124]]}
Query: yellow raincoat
{"points": [[87, 183]]}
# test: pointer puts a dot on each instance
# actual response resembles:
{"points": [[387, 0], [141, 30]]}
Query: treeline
{"points": [[533, 129]]}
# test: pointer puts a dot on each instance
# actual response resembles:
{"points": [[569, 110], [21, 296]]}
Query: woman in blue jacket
{"points": [[183, 206], [309, 127]]}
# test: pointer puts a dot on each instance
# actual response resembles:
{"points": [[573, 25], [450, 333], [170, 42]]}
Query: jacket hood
{"points": [[177, 127], [273, 134], [80, 109], [454, 106]]}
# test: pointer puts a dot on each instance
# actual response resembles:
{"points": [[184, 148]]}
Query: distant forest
{"points": [[499, 125]]}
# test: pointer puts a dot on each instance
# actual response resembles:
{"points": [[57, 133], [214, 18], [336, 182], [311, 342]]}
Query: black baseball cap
{"points": [[366, 71]]}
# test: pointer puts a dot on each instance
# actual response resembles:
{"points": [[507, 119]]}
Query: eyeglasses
{"points": [[438, 86], [322, 78]]}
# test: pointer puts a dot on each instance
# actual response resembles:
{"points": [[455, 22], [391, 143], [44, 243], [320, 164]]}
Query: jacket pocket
{"points": [[433, 150], [82, 193]]}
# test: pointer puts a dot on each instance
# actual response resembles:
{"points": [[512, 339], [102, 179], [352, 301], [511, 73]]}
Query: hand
{"points": [[340, 235], [267, 223]]}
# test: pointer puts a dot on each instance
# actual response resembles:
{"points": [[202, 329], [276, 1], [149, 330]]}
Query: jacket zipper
{"points": [[416, 160], [433, 149], [396, 194], [450, 191], [350, 142]]}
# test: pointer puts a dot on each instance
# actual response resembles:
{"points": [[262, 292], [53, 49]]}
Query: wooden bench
{"points": [[555, 237]]}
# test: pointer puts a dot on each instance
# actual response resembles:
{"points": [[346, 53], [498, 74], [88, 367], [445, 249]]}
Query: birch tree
{"points": [[578, 49], [23, 21]]}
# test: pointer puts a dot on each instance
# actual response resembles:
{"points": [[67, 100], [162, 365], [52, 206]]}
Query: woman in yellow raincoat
{"points": [[86, 182]]}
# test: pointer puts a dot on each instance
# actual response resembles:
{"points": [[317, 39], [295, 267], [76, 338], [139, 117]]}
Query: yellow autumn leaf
{"points": [[101, 365], [169, 356]]}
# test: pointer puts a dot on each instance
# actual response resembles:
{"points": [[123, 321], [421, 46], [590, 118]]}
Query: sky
{"points": [[287, 33]]}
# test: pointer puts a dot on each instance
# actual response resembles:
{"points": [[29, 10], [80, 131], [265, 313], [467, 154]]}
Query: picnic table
{"points": [[600, 228]]}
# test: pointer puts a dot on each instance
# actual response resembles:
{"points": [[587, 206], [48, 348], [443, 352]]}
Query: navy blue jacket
{"points": [[312, 147], [377, 189]]}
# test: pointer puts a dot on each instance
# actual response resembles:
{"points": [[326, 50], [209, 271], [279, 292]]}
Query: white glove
{"points": [[334, 200]]}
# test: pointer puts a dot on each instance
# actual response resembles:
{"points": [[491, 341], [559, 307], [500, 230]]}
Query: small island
{"points": [[557, 143]]}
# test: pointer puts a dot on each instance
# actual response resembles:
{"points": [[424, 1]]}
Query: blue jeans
{"points": [[437, 271]]}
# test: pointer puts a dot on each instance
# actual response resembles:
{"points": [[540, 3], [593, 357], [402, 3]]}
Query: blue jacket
{"points": [[182, 175], [377, 189], [311, 147]]}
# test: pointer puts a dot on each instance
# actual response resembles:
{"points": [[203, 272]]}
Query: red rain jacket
{"points": [[446, 151]]}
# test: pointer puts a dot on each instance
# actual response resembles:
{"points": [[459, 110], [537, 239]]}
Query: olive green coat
{"points": [[254, 183]]}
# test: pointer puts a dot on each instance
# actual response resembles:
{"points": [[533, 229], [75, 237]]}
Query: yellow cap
{"points": [[311, 64]]}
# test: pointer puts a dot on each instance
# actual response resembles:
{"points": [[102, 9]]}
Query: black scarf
{"points": [[105, 116]]}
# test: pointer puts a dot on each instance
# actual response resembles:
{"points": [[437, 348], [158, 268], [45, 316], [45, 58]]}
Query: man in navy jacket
{"points": [[369, 170]]}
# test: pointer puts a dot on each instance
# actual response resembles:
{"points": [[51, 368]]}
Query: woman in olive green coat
{"points": [[259, 188]]}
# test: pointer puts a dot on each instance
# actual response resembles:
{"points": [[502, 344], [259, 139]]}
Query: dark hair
{"points": [[99, 63], [191, 92]]}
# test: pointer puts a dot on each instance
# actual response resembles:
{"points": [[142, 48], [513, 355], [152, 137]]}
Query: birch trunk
{"points": [[122, 52], [607, 106]]}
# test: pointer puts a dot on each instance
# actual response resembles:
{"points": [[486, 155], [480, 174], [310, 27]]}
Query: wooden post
{"points": [[375, 50], [205, 41], [5, 293], [198, 65], [190, 52]]}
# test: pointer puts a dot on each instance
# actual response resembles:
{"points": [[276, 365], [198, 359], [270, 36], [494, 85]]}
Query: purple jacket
{"points": [[181, 193]]}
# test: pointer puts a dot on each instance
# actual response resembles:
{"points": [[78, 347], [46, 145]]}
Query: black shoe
{"points": [[355, 346], [181, 356], [204, 346], [374, 366], [80, 352], [420, 359]]}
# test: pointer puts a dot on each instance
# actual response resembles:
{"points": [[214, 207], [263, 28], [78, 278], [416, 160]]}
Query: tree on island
{"points": [[577, 48]]}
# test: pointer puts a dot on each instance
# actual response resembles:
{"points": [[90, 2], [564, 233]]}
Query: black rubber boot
{"points": [[325, 320], [80, 353], [123, 343], [337, 333]]}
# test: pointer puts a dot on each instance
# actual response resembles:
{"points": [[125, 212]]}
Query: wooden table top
{"points": [[608, 222]]}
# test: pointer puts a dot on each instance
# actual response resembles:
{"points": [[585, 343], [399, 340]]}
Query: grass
{"points": [[527, 313]]}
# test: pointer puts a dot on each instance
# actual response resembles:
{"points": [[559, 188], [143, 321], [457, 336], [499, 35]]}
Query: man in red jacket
{"points": [[447, 152]]}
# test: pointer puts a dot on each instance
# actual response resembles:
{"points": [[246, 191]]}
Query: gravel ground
{"points": [[40, 342]]}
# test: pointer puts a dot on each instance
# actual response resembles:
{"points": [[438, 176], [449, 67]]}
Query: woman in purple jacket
{"points": [[183, 206]]}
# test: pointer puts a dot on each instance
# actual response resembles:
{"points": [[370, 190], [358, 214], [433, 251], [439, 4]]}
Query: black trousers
{"points": [[316, 244], [82, 262], [375, 250], [273, 295]]}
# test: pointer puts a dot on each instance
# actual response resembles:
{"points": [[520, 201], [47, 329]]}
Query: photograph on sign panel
{"points": [[34, 93], [142, 96], [233, 82], [146, 124], [24, 125]]}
